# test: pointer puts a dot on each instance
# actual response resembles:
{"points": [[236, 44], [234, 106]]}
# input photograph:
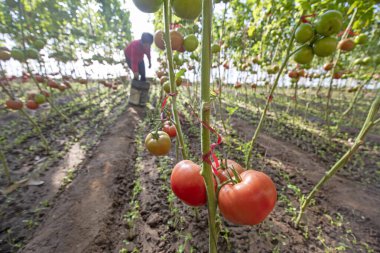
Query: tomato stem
{"points": [[205, 117], [329, 93], [173, 86], [368, 124], [263, 115], [6, 167]]}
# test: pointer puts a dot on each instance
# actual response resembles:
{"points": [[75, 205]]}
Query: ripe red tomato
{"points": [[14, 104], [250, 201], [158, 145], [170, 129], [237, 85], [32, 105], [346, 45], [188, 184], [159, 40], [45, 93], [337, 75], [39, 78], [328, 66], [52, 84], [293, 74], [176, 40], [160, 74], [225, 173]]}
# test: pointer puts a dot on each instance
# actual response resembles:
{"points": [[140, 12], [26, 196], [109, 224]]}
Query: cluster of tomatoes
{"points": [[317, 39], [245, 197], [30, 52]]}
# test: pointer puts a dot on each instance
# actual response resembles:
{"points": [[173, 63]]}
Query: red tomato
{"points": [[293, 74], [224, 172], [32, 105], [250, 201], [14, 104], [170, 129], [188, 184]]}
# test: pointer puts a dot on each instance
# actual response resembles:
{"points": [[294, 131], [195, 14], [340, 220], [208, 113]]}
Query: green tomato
{"points": [[329, 23], [187, 9], [377, 59], [361, 39], [166, 87], [190, 43], [358, 62], [148, 6], [39, 99], [32, 53], [194, 57], [325, 46], [304, 33], [367, 60], [304, 56], [18, 54], [215, 48], [38, 44], [5, 55]]}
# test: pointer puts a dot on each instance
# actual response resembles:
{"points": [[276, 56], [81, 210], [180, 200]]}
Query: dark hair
{"points": [[147, 38]]}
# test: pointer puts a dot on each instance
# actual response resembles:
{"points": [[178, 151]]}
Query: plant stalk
{"points": [[173, 87], [368, 124], [205, 117], [263, 115]]}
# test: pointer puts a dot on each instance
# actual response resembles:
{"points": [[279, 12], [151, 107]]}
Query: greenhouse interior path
{"points": [[80, 214]]}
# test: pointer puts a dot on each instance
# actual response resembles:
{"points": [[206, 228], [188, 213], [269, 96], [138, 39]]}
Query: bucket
{"points": [[139, 93]]}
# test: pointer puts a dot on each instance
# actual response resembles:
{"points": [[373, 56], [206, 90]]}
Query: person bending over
{"points": [[134, 54]]}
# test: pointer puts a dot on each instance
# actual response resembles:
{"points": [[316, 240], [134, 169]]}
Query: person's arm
{"points": [[147, 52]]}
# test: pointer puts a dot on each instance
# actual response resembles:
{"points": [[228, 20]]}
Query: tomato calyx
{"points": [[235, 179]]}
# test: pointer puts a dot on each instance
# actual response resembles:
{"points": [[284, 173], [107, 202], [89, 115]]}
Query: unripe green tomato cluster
{"points": [[185, 9], [321, 44]]}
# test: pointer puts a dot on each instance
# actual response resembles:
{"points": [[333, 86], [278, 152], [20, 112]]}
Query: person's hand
{"points": [[135, 75], [150, 65]]}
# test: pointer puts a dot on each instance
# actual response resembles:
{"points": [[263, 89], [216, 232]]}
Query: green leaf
{"points": [[353, 6], [180, 73]]}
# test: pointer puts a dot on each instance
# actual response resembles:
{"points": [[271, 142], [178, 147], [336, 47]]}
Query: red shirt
{"points": [[135, 53]]}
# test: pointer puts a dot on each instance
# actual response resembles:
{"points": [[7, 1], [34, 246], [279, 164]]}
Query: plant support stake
{"points": [[173, 86], [205, 117]]}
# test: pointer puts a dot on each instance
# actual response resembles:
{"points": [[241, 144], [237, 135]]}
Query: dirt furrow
{"points": [[82, 213]]}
